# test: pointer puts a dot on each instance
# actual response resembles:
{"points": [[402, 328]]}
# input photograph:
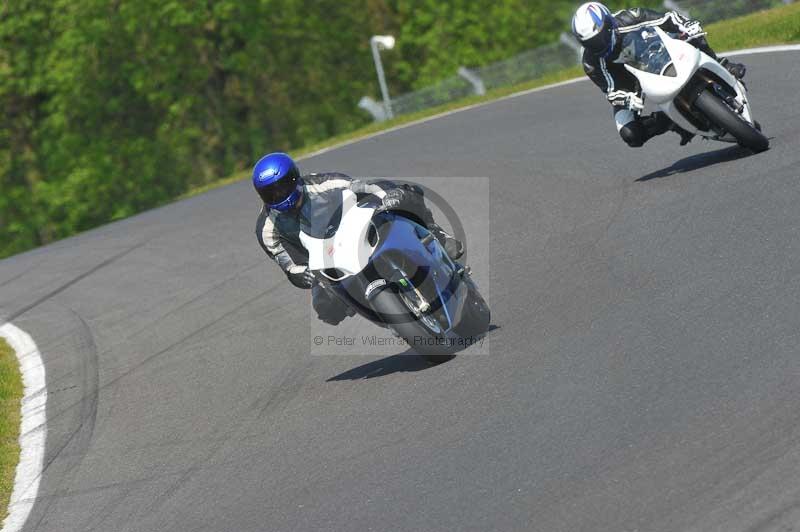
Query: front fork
{"points": [[418, 304]]}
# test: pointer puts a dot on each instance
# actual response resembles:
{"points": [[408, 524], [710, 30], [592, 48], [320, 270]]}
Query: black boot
{"points": [[738, 70], [659, 123], [330, 308], [451, 245], [686, 137], [656, 124]]}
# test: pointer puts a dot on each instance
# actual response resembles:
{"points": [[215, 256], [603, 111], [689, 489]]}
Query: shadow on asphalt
{"points": [[699, 161], [408, 361]]}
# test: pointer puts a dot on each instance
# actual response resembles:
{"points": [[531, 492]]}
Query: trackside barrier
{"points": [[539, 62]]}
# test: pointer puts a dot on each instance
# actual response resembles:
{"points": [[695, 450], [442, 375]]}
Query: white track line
{"points": [[33, 430], [748, 51], [763, 50]]}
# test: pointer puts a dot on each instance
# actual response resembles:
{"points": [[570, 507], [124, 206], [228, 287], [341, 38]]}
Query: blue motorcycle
{"points": [[395, 273]]}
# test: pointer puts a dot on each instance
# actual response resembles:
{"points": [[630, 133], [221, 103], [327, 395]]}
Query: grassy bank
{"points": [[776, 26], [10, 400]]}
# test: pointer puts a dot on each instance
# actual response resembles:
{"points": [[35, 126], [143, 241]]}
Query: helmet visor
{"points": [[600, 44], [278, 191]]}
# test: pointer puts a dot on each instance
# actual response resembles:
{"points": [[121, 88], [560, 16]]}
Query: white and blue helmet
{"points": [[594, 26]]}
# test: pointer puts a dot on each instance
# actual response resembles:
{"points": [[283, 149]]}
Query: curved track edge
{"points": [[33, 430]]}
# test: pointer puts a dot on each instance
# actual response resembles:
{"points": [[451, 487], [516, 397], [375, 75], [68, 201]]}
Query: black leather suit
{"points": [[620, 85]]}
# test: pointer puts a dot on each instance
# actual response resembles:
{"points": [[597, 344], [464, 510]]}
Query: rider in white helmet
{"points": [[598, 30]]}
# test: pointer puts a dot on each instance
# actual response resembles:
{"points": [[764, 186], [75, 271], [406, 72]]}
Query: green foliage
{"points": [[112, 106], [11, 391]]}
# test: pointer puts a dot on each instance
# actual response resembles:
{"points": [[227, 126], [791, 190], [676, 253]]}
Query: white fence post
{"points": [[377, 110], [385, 42], [474, 79]]}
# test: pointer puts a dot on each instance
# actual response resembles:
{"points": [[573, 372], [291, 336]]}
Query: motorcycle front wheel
{"points": [[477, 315], [424, 338], [726, 118]]}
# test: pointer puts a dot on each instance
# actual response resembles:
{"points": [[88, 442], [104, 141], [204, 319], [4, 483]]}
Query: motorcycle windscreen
{"points": [[321, 215], [677, 61], [645, 50]]}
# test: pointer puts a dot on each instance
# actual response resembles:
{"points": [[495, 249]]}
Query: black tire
{"points": [[726, 118], [392, 311], [477, 315]]}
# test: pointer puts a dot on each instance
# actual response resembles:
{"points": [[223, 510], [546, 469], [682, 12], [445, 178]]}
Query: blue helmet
{"points": [[594, 26], [277, 180]]}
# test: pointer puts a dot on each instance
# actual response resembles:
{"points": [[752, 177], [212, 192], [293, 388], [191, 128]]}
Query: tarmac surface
{"points": [[643, 372]]}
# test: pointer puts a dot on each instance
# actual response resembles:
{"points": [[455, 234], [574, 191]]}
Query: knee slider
{"points": [[633, 134]]}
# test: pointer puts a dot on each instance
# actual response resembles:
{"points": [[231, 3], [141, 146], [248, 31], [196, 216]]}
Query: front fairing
{"points": [[663, 65], [339, 237], [401, 253], [675, 89]]}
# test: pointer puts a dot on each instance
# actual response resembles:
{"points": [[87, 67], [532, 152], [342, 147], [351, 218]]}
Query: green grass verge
{"points": [[780, 25], [10, 402]]}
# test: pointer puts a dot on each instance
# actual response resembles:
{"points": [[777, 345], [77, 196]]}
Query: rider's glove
{"points": [[300, 276], [635, 103], [693, 29], [393, 199], [628, 100]]}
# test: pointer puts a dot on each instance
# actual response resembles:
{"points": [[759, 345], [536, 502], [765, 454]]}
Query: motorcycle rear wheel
{"points": [[726, 118]]}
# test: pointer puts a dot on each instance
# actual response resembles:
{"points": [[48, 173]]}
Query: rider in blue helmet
{"points": [[278, 182], [599, 31], [289, 197]]}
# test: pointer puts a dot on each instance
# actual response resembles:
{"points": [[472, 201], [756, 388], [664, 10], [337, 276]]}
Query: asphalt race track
{"points": [[644, 372]]}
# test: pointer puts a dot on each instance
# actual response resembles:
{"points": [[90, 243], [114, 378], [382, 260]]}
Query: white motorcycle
{"points": [[392, 271], [694, 90]]}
